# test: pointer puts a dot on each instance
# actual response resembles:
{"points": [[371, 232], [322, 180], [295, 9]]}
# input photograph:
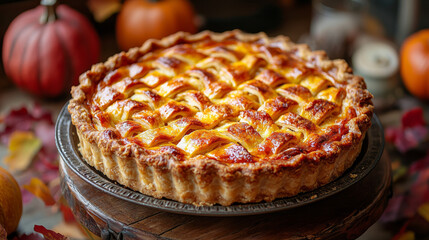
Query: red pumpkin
{"points": [[46, 49]]}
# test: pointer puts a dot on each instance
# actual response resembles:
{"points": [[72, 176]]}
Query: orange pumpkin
{"points": [[10, 202], [140, 20], [415, 64]]}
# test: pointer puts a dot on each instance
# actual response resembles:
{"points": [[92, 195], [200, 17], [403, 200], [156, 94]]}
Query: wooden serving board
{"points": [[345, 215]]}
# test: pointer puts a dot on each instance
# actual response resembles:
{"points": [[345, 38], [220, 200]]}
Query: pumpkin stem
{"points": [[49, 15]]}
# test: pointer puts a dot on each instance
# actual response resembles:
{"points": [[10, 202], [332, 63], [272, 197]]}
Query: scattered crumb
{"points": [[313, 197], [352, 175]]}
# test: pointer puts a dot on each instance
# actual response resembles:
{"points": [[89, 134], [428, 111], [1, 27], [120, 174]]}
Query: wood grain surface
{"points": [[345, 215]]}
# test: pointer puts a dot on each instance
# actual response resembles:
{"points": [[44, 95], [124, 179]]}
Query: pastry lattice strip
{"points": [[217, 99]]}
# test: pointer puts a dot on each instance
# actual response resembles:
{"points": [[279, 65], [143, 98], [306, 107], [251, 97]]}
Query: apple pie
{"points": [[221, 118]]}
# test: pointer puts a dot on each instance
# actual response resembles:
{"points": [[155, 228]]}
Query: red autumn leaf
{"points": [[413, 118], [11, 121], [48, 234], [390, 134], [48, 159], [46, 167], [23, 119], [67, 214], [41, 114], [412, 132], [40, 190], [404, 204], [45, 131], [31, 236], [36, 121], [406, 139]]}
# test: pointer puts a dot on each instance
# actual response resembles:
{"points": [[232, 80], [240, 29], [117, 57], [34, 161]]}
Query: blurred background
{"points": [[338, 27]]}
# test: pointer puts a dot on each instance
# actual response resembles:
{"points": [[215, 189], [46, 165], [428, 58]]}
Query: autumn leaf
{"points": [[413, 118], [103, 9], [31, 236], [48, 234], [39, 189], [16, 120], [413, 131], [23, 119], [424, 211], [45, 131], [23, 147], [407, 236]]}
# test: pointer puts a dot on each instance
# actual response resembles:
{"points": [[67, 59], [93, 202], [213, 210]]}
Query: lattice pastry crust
{"points": [[221, 118]]}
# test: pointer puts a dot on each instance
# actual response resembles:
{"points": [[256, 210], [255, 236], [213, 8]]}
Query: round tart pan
{"points": [[67, 144]]}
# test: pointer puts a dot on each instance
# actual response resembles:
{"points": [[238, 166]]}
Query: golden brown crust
{"points": [[281, 121]]}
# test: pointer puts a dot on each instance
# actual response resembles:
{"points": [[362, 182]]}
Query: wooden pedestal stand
{"points": [[345, 215]]}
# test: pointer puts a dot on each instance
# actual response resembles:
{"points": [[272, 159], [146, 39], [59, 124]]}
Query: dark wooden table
{"points": [[345, 215]]}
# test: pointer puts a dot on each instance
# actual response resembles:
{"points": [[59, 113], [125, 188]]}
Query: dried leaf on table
{"points": [[23, 147], [16, 120], [23, 119], [45, 131], [38, 127], [424, 211], [412, 132], [413, 118], [406, 139], [45, 171], [39, 189], [46, 166], [48, 234], [404, 204], [37, 122], [32, 236]]}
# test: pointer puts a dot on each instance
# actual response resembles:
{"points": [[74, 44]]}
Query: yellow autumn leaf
{"points": [[40, 190], [103, 9], [423, 210], [23, 146], [407, 236]]}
